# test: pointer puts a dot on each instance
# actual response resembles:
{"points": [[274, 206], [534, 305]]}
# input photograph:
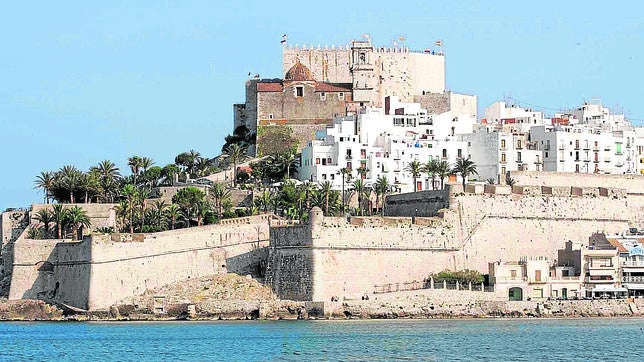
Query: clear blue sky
{"points": [[81, 82]]}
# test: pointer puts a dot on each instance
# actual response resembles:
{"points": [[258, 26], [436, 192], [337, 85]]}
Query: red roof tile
{"points": [[618, 245], [327, 87], [269, 87]]}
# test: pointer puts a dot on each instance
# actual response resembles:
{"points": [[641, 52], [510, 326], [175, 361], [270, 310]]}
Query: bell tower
{"points": [[362, 70]]}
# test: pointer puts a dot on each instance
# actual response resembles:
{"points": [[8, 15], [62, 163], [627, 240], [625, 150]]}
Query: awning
{"points": [[609, 288]]}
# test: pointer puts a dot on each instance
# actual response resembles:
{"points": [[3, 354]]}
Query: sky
{"points": [[81, 82]]}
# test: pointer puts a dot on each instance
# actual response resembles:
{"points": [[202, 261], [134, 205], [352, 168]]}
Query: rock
{"points": [[114, 312]]}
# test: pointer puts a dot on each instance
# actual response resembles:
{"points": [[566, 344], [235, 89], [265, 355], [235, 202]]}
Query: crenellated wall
{"points": [[347, 258]]}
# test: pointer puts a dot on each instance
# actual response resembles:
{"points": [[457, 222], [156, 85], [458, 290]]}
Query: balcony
{"points": [[562, 147], [537, 162], [599, 266], [633, 264], [586, 147], [633, 279], [586, 159], [589, 280], [596, 148]]}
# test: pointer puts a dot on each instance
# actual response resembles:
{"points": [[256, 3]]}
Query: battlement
{"points": [[536, 190]]}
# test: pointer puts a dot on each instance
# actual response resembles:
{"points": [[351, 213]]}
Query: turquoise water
{"points": [[498, 339]]}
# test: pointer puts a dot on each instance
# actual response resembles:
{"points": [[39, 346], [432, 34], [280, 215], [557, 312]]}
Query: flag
{"points": [[439, 43], [284, 37]]}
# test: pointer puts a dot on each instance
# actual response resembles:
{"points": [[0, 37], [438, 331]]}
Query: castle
{"points": [[320, 84], [332, 257]]}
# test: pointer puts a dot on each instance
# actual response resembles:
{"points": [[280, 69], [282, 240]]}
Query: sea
{"points": [[595, 339]]}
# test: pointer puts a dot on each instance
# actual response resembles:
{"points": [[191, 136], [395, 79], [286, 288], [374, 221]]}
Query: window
{"points": [[459, 153], [324, 162], [546, 154], [299, 91], [328, 160], [519, 156], [503, 170], [270, 116], [444, 152], [323, 176], [513, 273], [323, 96], [349, 165], [341, 96], [332, 176], [317, 161], [537, 275], [519, 144], [503, 157]]}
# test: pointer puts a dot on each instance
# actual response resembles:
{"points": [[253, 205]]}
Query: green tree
{"points": [[414, 168], [59, 215], [70, 179], [45, 181], [108, 177], [382, 187], [169, 173], [345, 172], [358, 186], [431, 168], [173, 212], [45, 217], [135, 163], [131, 203], [219, 194], [189, 199], [325, 189], [362, 172], [442, 170], [235, 154], [465, 167], [77, 218]]}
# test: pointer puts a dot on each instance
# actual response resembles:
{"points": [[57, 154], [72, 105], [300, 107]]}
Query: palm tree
{"points": [[157, 213], [77, 218], [202, 166], [108, 176], [442, 170], [325, 190], [219, 194], [264, 200], [414, 168], [70, 180], [45, 181], [235, 154], [358, 186], [382, 188], [59, 215], [131, 197], [465, 167], [169, 172], [173, 212], [345, 171], [145, 163], [45, 217], [362, 171], [430, 168], [135, 163]]}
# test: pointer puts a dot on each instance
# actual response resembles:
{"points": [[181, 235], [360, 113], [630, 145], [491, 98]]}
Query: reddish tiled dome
{"points": [[299, 72]]}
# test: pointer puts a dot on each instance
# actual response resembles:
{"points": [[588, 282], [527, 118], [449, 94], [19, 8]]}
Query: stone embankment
{"points": [[28, 310], [233, 297], [491, 309]]}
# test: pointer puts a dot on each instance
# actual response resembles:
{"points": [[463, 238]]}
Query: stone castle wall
{"points": [[103, 269], [348, 258]]}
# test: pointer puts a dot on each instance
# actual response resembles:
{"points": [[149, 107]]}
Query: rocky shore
{"points": [[233, 297]]}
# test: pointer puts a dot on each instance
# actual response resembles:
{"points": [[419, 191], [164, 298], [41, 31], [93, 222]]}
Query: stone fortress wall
{"points": [[102, 269], [343, 258], [334, 257]]}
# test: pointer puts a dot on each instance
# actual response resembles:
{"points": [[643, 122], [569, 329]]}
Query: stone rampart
{"points": [[346, 258], [99, 271], [632, 183]]}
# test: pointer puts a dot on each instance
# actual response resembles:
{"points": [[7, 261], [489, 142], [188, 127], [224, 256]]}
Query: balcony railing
{"points": [[633, 263], [633, 279], [598, 281]]}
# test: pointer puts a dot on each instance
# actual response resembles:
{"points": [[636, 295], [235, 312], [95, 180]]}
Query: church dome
{"points": [[298, 73]]}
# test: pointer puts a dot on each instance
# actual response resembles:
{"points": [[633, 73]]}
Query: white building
{"points": [[384, 141]]}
